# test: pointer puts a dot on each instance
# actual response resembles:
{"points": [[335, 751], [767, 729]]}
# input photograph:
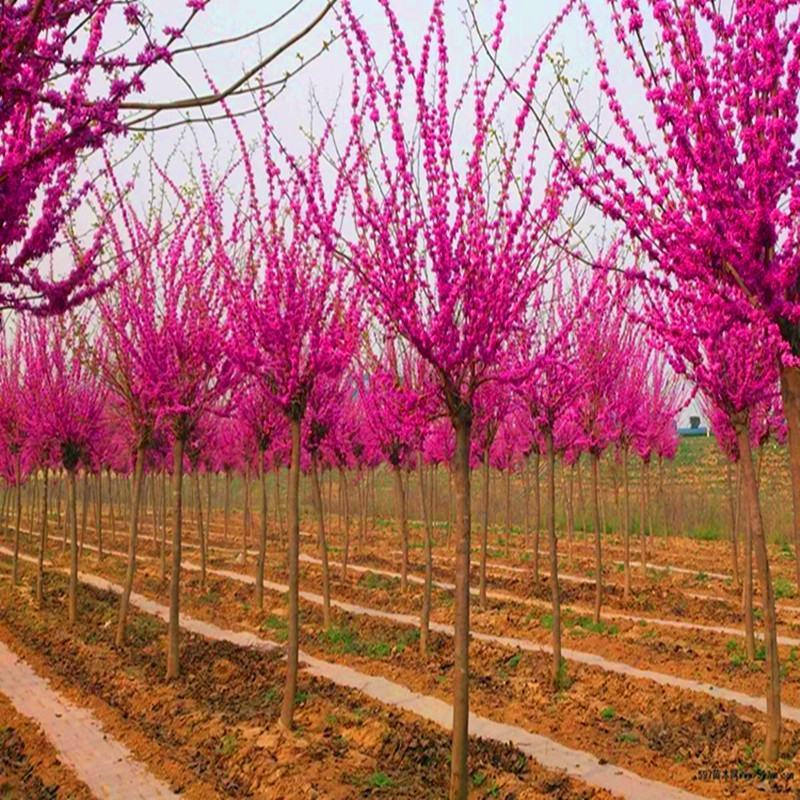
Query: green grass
{"points": [[380, 780], [706, 534], [228, 744], [371, 580], [344, 639], [608, 714], [783, 588], [277, 626]]}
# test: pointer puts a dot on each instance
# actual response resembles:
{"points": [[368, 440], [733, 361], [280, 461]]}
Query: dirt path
{"points": [[99, 760]]}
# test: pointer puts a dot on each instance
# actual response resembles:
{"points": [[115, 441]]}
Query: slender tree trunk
{"points": [[402, 518], [508, 511], [434, 495], [42, 542], [111, 511], [790, 392], [537, 515], [163, 562], [246, 519], [626, 522], [32, 491], [323, 545], [526, 495], [581, 496], [84, 508], [209, 500], [277, 504], [72, 516], [201, 529], [262, 533], [227, 512], [747, 588], [773, 737], [98, 513], [450, 494], [173, 660], [484, 528], [124, 604], [598, 563], [293, 524], [344, 489], [425, 617], [553, 544], [362, 511], [732, 508], [459, 775], [17, 522], [569, 498], [642, 523]]}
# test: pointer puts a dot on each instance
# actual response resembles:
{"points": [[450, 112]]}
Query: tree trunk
{"points": [[425, 617], [246, 514], [111, 510], [17, 523], [322, 543], [262, 533], [72, 516], [201, 529], [362, 511], [162, 569], [747, 588], [98, 514], [124, 603], [42, 543], [227, 512], [459, 775], [508, 511], [773, 737], [84, 507], [569, 500], [732, 508], [626, 522], [344, 489], [537, 515], [642, 523], [790, 392], [598, 565], [526, 501], [293, 525], [173, 661], [402, 518], [553, 544], [484, 528]]}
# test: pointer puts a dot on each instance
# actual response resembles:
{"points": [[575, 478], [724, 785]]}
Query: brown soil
{"points": [[30, 768], [661, 732], [214, 732]]}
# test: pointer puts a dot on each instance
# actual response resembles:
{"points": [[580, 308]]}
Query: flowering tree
{"points": [[67, 418], [15, 423], [731, 361], [448, 263], [392, 408], [707, 183], [168, 328], [63, 83], [296, 321]]}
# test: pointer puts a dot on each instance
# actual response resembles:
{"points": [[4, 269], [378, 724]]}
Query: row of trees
{"points": [[431, 227]]}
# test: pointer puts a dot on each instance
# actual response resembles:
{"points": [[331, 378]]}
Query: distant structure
{"points": [[694, 429]]}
